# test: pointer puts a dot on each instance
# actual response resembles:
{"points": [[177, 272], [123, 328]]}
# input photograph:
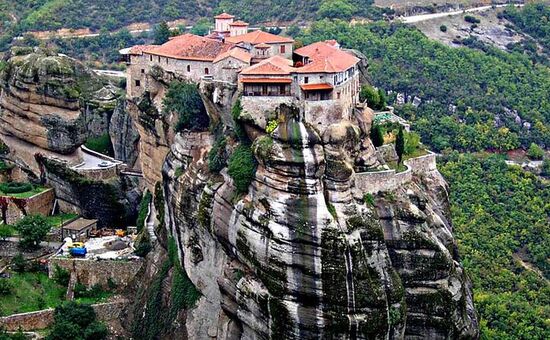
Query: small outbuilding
{"points": [[79, 230]]}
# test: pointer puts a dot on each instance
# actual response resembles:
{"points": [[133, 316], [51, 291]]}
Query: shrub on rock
{"points": [[242, 167]]}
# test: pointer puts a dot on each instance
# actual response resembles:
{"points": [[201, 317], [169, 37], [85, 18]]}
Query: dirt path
{"points": [[529, 266], [423, 17]]}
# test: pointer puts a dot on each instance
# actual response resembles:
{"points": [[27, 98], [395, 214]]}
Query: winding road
{"points": [[423, 17]]}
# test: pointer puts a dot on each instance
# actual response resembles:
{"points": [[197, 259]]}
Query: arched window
{"points": [[206, 70], [188, 68]]}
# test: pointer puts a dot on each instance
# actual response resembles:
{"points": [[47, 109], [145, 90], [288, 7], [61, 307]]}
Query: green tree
{"points": [[184, 100], [18, 263], [412, 141], [6, 287], [32, 229], [73, 320], [545, 168], [143, 209], [336, 9], [377, 135], [61, 275], [201, 27], [242, 167], [376, 99], [161, 33], [400, 144], [535, 152], [5, 231], [382, 101], [293, 31]]}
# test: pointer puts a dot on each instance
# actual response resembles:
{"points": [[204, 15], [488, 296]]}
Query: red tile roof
{"points": [[267, 80], [191, 47], [275, 65], [239, 23], [325, 58], [316, 87], [139, 49], [237, 53], [259, 37], [224, 16], [262, 46]]}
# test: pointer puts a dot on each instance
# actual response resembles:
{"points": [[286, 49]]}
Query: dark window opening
{"points": [[138, 83]]}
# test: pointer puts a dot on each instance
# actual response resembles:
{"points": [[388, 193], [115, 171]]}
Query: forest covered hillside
{"points": [[40, 15]]}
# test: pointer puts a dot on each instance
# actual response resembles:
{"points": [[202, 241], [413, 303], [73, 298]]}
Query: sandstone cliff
{"points": [[302, 254], [51, 104]]}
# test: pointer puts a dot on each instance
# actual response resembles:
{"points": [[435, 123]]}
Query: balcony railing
{"points": [[267, 94]]}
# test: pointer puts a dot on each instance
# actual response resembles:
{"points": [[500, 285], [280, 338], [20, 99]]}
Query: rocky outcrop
{"points": [[124, 136], [113, 203], [51, 104], [301, 255]]}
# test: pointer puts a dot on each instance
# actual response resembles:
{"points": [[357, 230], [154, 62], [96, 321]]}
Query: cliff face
{"points": [[303, 254], [51, 104]]}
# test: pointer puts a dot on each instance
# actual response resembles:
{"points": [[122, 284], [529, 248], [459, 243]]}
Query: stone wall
{"points": [[388, 180], [42, 319], [422, 164], [41, 203], [142, 66], [228, 69], [92, 272], [259, 108]]}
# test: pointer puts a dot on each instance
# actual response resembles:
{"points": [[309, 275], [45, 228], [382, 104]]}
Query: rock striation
{"points": [[301, 254]]}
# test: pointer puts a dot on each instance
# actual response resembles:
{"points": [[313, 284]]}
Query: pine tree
{"points": [[400, 144], [162, 33]]}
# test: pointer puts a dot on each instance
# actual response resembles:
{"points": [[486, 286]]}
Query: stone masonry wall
{"points": [[42, 319], [91, 272], [388, 180], [41, 203]]}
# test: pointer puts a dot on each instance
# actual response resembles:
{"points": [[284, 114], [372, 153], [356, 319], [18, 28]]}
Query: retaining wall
{"points": [[41, 203], [389, 180], [42, 319], [92, 272], [101, 174]]}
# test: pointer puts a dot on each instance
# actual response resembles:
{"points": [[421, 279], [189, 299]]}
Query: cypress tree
{"points": [[400, 144]]}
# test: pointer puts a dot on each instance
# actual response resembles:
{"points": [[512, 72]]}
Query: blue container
{"points": [[80, 251]]}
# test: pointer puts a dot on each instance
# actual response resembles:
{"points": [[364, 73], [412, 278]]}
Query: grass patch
{"points": [[397, 167], [57, 220], [31, 292], [36, 189], [90, 295], [416, 153]]}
